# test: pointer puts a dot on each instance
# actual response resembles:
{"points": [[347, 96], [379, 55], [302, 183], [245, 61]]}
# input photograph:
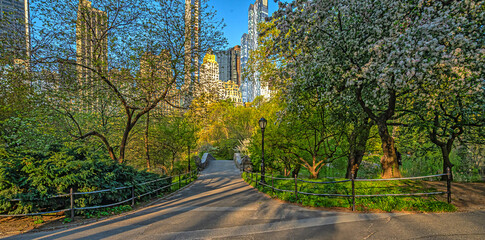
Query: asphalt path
{"points": [[220, 205]]}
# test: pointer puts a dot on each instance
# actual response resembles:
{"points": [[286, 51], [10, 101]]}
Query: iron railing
{"points": [[134, 196], [352, 180]]}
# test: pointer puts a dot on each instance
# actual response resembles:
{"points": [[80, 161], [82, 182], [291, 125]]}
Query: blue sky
{"points": [[235, 14]]}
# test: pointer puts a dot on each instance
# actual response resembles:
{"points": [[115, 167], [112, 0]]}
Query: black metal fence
{"points": [[254, 177], [134, 195]]}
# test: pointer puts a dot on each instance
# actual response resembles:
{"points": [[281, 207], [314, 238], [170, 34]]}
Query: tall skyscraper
{"points": [[91, 54], [91, 43], [223, 58], [191, 48], [155, 72], [244, 59], [156, 79], [236, 65], [209, 77], [14, 29], [230, 65], [257, 13], [188, 44]]}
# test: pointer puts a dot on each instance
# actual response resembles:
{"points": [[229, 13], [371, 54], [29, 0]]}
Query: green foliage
{"points": [[225, 149], [172, 136], [38, 220], [467, 160], [106, 211], [66, 220], [34, 177], [223, 125], [182, 181], [388, 204]]}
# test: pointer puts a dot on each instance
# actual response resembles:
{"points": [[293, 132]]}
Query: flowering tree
{"points": [[379, 54], [87, 54]]}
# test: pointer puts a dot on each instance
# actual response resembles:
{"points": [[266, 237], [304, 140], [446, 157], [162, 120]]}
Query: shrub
{"points": [[34, 177]]}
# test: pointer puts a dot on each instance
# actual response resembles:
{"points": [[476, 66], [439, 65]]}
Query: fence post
{"points": [[180, 175], [448, 183], [133, 195], [71, 195], [353, 192], [256, 182], [272, 182], [296, 187], [157, 186]]}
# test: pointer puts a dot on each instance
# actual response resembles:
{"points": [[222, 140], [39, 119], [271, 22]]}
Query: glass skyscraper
{"points": [[257, 13], [230, 65]]}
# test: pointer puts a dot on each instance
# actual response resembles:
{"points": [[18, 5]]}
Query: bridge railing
{"points": [[253, 176], [187, 177], [205, 160]]}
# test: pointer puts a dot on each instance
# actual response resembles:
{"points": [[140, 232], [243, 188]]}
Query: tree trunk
{"points": [[188, 161], [112, 153], [173, 163], [296, 170], [126, 134], [124, 140], [358, 141], [147, 149], [313, 169], [355, 159], [445, 152], [313, 174], [444, 146], [390, 167]]}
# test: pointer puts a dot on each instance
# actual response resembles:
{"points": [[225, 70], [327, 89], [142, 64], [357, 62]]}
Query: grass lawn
{"points": [[388, 204]]}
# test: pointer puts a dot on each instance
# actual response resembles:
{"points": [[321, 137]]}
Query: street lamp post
{"points": [[262, 124]]}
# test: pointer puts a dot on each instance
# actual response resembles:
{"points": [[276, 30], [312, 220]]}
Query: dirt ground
{"points": [[467, 197]]}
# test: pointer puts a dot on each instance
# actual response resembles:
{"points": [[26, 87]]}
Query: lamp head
{"points": [[262, 123]]}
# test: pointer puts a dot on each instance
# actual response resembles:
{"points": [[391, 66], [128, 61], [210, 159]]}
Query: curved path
{"points": [[219, 205]]}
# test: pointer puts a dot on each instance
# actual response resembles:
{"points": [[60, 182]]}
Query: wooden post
{"points": [[353, 191], [296, 187], [272, 182], [132, 195], [157, 187], [256, 182], [448, 184], [71, 195], [180, 175]]}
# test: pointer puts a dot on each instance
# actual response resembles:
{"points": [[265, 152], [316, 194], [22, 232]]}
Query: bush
{"points": [[34, 177]]}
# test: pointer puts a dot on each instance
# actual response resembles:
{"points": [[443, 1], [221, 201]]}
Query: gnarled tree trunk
{"points": [[445, 152], [390, 167], [358, 141], [445, 147]]}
